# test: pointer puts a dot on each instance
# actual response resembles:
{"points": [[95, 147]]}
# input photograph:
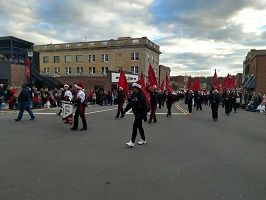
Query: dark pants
{"points": [[233, 105], [199, 106], [160, 103], [24, 106], [80, 111], [227, 108], [137, 125], [119, 110], [169, 107], [214, 111], [153, 115], [189, 104]]}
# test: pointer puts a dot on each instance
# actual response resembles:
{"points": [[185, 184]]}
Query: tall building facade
{"points": [[254, 71], [95, 59]]}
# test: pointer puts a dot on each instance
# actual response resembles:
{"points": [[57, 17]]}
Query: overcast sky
{"points": [[195, 36]]}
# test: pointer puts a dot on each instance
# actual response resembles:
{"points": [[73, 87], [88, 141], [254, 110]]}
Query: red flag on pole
{"points": [[27, 68], [196, 85], [167, 85], [189, 83], [215, 81], [141, 81], [122, 82], [152, 77]]}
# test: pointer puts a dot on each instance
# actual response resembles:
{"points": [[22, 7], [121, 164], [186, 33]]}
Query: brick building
{"points": [[163, 70], [93, 60], [13, 53], [254, 71]]}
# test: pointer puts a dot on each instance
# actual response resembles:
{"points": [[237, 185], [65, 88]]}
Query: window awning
{"points": [[251, 82]]}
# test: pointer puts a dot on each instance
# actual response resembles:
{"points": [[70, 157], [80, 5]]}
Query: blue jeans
{"points": [[25, 106]]}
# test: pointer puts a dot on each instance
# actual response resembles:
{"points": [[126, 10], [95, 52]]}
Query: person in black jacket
{"points": [[154, 101], [215, 101], [169, 103], [24, 103], [227, 103], [189, 100], [139, 107], [120, 101]]}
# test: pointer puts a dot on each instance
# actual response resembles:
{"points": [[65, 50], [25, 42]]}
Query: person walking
{"points": [[189, 100], [227, 102], [215, 101], [80, 111], [139, 107], [154, 101], [169, 102], [24, 103], [120, 101]]}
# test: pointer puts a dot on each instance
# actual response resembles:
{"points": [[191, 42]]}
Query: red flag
{"points": [[141, 81], [122, 82], [162, 86], [196, 85], [152, 77], [168, 87], [27, 68], [189, 83], [229, 82], [215, 81]]}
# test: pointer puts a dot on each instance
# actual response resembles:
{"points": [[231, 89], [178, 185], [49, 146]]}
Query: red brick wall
{"points": [[18, 77], [89, 82], [261, 75]]}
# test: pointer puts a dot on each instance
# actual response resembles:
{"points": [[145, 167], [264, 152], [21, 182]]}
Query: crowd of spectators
{"points": [[44, 98]]}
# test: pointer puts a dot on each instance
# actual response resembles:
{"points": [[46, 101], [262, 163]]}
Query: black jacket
{"points": [[25, 95], [138, 104], [215, 99]]}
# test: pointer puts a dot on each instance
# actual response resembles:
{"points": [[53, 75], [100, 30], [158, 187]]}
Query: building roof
{"points": [[6, 38]]}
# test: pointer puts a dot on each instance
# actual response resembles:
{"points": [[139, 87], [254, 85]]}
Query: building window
{"points": [[68, 70], [79, 44], [45, 59], [104, 43], [91, 44], [56, 46], [46, 70], [136, 41], [104, 70], [57, 70], [134, 69], [91, 70], [67, 45], [134, 56], [68, 59], [79, 70], [56, 59], [104, 57], [79, 58], [92, 58]]}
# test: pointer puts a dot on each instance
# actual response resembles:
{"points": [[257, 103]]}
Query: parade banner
{"points": [[67, 109]]}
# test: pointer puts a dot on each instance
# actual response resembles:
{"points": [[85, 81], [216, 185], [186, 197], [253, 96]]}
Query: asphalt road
{"points": [[188, 157]]}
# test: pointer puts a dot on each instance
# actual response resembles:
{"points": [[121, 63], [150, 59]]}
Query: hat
{"points": [[154, 87], [136, 85], [79, 85], [66, 85], [121, 88]]}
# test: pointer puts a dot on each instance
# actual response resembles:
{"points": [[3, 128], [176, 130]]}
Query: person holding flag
{"points": [[139, 108], [120, 101], [169, 96], [153, 102], [122, 93]]}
